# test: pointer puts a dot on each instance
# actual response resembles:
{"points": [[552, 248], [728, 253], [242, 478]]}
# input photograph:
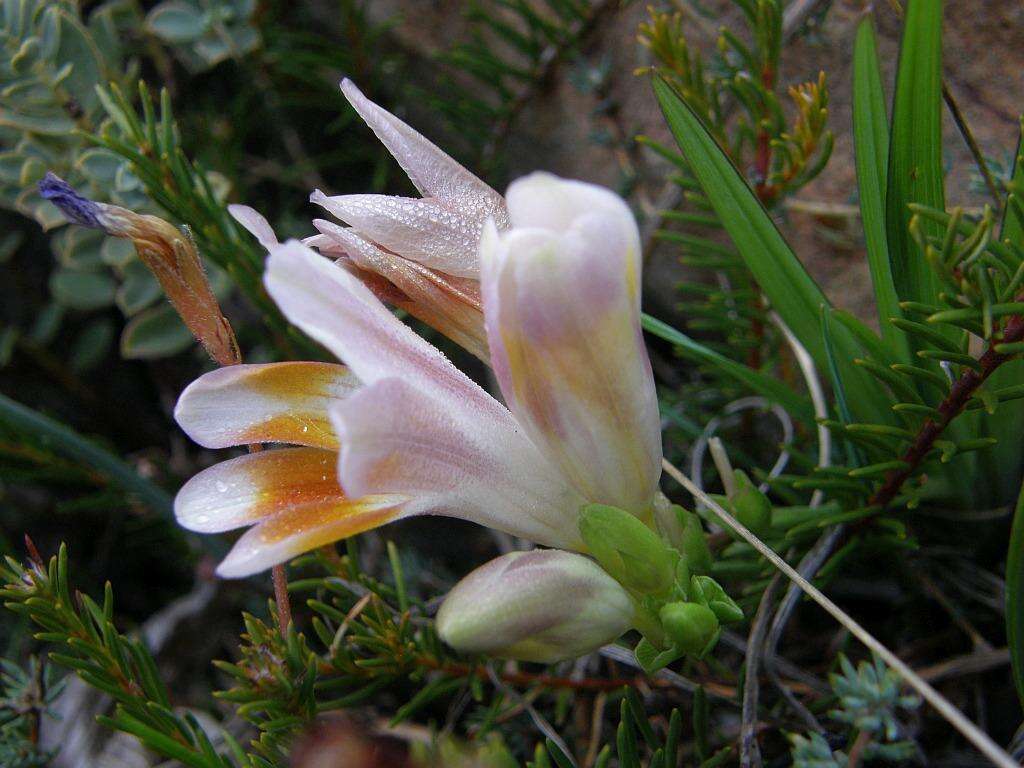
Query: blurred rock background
{"points": [[581, 119]]}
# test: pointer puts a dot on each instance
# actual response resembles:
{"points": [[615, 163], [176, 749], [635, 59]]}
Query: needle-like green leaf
{"points": [[1006, 425]]}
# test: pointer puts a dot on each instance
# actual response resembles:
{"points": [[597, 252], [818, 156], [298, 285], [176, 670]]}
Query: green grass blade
{"points": [[773, 389], [1015, 597], [871, 149], [780, 275], [915, 147], [854, 456], [1012, 228], [71, 444]]}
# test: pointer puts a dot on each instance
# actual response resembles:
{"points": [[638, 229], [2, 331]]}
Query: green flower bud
{"points": [[693, 543], [627, 549], [751, 507], [707, 591], [691, 627], [544, 605]]}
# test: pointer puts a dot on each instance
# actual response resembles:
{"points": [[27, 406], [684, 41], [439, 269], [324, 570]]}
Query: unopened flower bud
{"points": [[544, 605], [691, 627], [627, 549], [751, 507]]}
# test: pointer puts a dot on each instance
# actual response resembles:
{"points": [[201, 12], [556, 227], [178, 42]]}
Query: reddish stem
{"points": [[951, 407], [281, 598]]}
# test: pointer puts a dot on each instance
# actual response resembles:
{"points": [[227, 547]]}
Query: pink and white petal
{"points": [[303, 528], [398, 440], [247, 489], [255, 224], [544, 201], [434, 173], [269, 403], [425, 231], [449, 304], [325, 245], [336, 240], [566, 345], [333, 307]]}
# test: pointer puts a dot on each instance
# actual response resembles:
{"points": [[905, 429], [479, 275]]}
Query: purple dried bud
{"points": [[78, 209]]}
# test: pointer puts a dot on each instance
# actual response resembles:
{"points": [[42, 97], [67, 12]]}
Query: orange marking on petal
{"points": [[298, 428], [313, 525], [304, 386], [296, 379], [291, 477]]}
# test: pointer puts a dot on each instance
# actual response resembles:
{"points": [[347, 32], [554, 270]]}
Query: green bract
{"points": [[751, 507], [627, 549]]}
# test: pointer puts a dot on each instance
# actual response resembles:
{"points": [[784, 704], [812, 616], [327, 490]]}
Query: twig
{"points": [[803, 679], [548, 61], [666, 677], [931, 589], [796, 13], [538, 720], [860, 744], [972, 145], [816, 557], [806, 363], [750, 752], [596, 721], [981, 740], [969, 664], [792, 22]]}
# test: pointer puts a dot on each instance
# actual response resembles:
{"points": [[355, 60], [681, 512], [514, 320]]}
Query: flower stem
{"points": [[281, 599]]}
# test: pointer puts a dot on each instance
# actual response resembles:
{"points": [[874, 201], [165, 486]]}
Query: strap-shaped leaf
{"points": [[1015, 597], [780, 275], [871, 149], [1012, 228], [915, 147]]}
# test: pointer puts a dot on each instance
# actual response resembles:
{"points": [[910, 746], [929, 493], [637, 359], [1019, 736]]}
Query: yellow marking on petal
{"points": [[297, 379], [303, 387], [298, 428], [313, 525], [294, 477]]}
